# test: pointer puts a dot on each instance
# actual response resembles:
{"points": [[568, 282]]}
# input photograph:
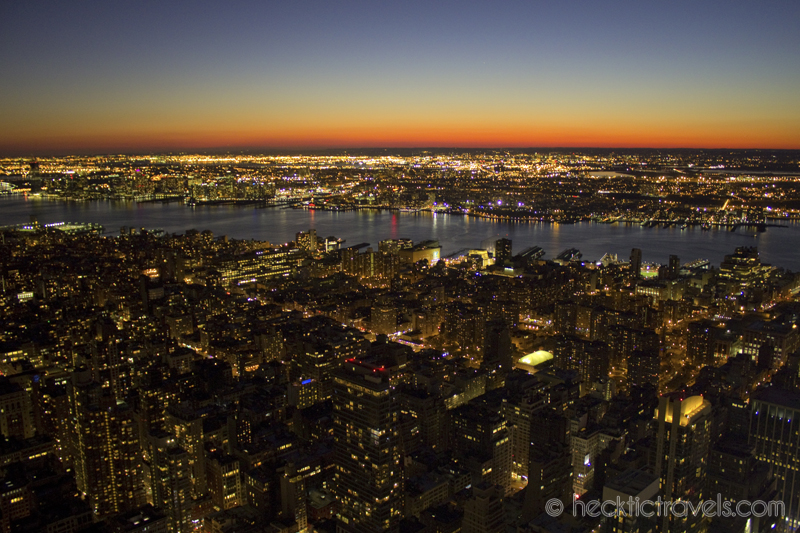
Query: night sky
{"points": [[170, 75]]}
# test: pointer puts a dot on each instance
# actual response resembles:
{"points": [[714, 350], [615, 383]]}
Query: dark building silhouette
{"points": [[636, 262], [643, 368], [502, 251], [674, 268]]}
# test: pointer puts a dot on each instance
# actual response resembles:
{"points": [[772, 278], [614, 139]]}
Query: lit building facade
{"points": [[683, 428], [107, 460], [367, 450], [775, 432], [259, 267]]}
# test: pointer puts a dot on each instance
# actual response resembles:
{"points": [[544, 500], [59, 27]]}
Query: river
{"points": [[778, 246]]}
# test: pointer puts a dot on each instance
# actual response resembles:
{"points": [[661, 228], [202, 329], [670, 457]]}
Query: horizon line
{"points": [[14, 154]]}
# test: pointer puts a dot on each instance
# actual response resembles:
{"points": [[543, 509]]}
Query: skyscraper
{"points": [[168, 480], [497, 355], [224, 477], [636, 262], [643, 368], [483, 513], [307, 240], [481, 437], [635, 484], [550, 463], [700, 342], [187, 427], [105, 441], [674, 267], [367, 449], [775, 432], [16, 417], [502, 251], [681, 452]]}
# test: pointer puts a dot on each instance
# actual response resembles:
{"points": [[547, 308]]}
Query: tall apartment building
{"points": [[168, 480], [484, 513], [187, 426], [481, 438], [16, 415], [367, 449], [775, 432], [629, 486], [502, 251], [636, 262], [307, 240], [681, 454], [105, 442]]}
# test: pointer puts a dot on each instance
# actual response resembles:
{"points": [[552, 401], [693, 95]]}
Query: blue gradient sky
{"points": [[180, 75]]}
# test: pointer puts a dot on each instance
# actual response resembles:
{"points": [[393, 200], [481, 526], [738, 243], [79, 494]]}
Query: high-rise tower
{"points": [[775, 432], [502, 251], [108, 467], [367, 449], [674, 267], [681, 453], [168, 480], [636, 262]]}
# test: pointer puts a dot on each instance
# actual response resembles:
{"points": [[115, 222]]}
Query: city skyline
{"points": [[418, 267], [375, 357], [312, 76]]}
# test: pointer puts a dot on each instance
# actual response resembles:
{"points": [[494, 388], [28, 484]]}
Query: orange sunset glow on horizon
{"points": [[457, 132], [413, 75]]}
